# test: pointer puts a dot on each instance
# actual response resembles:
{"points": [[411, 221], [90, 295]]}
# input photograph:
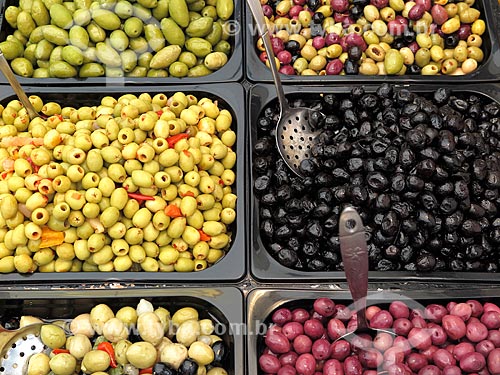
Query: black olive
{"points": [[261, 184], [398, 43], [316, 119], [351, 67], [295, 220], [385, 265], [287, 257], [390, 224], [426, 262], [414, 183], [307, 167], [406, 158], [313, 4], [283, 232], [448, 205], [447, 142], [459, 104], [355, 164], [321, 210], [331, 223], [358, 194], [221, 351], [474, 252], [316, 265], [426, 219], [264, 146], [161, 368], [268, 199], [429, 201], [292, 46], [453, 221], [283, 193], [461, 190], [318, 17], [316, 30], [471, 228], [314, 229], [354, 53], [442, 95], [293, 205], [392, 252], [493, 179], [310, 248], [451, 40], [414, 69], [377, 181], [267, 228]]}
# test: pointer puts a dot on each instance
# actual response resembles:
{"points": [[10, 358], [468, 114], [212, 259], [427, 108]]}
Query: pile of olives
{"points": [[375, 37], [141, 340], [136, 183], [85, 38]]}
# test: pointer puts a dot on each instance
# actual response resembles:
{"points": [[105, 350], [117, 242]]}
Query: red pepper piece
{"points": [[148, 370], [159, 112], [108, 348], [188, 194], [59, 351], [140, 197], [204, 236], [173, 211], [176, 138]]}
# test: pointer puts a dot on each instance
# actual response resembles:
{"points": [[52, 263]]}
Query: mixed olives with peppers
{"points": [[456, 338], [134, 352], [377, 37], [423, 171], [147, 38], [135, 183]]}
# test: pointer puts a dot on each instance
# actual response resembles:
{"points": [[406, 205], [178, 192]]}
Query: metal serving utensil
{"points": [[294, 134], [354, 252], [16, 86], [17, 346]]}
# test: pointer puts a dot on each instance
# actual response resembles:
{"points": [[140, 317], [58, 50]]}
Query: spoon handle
{"points": [[355, 257], [14, 83], [260, 20]]}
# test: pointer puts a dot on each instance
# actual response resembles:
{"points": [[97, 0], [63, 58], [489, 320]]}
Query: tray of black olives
{"points": [[420, 164], [435, 330], [169, 331], [147, 184], [363, 41], [120, 43]]}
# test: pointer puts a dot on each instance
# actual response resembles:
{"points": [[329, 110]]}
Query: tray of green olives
{"points": [[171, 331], [120, 42], [148, 185], [382, 40]]}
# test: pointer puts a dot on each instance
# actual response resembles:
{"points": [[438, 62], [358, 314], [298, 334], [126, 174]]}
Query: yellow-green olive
{"points": [[141, 354]]}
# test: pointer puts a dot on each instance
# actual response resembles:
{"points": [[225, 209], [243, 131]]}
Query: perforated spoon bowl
{"points": [[16, 348], [294, 135], [354, 251]]}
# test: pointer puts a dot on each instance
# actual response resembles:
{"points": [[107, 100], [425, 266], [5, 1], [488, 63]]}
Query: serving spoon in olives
{"points": [[294, 134], [354, 251], [17, 346]]}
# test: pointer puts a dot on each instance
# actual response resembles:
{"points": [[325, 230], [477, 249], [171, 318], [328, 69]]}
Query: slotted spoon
{"points": [[16, 348], [294, 135], [354, 251], [16, 86]]}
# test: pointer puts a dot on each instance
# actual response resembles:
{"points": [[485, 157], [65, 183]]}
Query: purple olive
{"points": [[435, 312], [340, 350], [476, 331], [277, 342], [285, 58], [313, 328], [292, 329], [306, 364], [439, 14], [332, 38], [334, 67], [379, 3], [416, 12], [485, 347], [399, 309], [321, 349], [472, 362], [300, 315], [443, 358], [318, 43], [288, 358], [269, 363], [402, 326], [287, 370], [416, 361], [278, 46], [268, 11], [491, 319], [339, 6], [463, 33]]}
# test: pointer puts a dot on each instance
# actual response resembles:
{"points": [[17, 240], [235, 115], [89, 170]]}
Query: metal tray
{"points": [[262, 302], [231, 72], [224, 306], [232, 266], [488, 70], [262, 265]]}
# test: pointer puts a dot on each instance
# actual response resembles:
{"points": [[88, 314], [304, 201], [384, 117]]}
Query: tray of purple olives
{"points": [[377, 40], [439, 331], [188, 330], [420, 164]]}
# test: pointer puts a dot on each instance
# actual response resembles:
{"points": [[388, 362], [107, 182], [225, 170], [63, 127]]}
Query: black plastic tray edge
{"points": [[260, 302], [228, 301], [488, 70], [264, 268], [233, 262], [231, 72]]}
